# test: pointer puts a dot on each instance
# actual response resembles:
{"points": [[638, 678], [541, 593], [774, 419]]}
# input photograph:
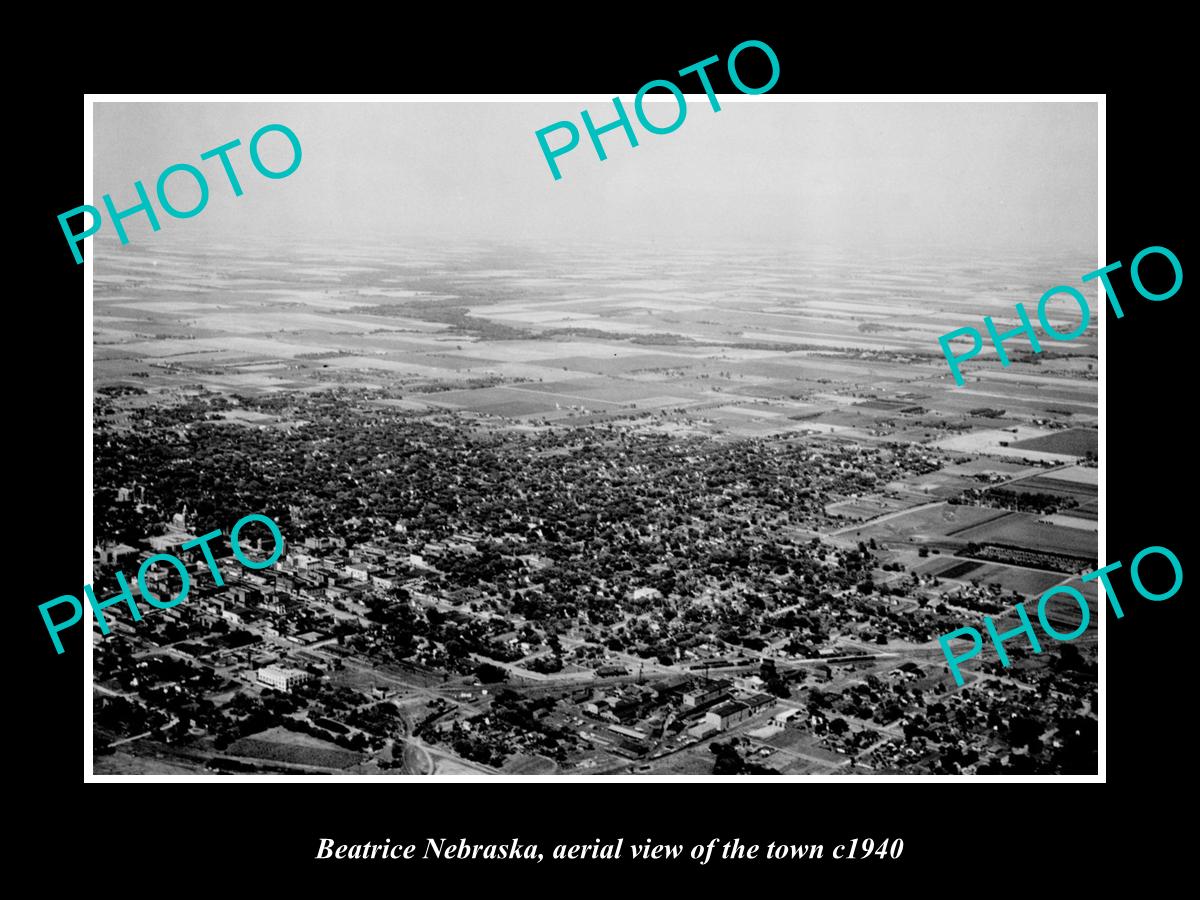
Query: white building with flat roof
{"points": [[282, 678]]}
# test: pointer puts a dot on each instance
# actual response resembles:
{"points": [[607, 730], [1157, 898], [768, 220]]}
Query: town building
{"points": [[729, 714], [704, 693], [282, 678]]}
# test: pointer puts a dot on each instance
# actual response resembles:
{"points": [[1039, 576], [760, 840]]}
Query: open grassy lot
{"points": [[120, 763], [936, 521], [281, 745], [1026, 582]]}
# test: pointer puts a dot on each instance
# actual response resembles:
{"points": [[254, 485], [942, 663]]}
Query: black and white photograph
{"points": [[659, 469]]}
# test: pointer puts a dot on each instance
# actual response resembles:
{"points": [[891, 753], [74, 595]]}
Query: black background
{"points": [[958, 836]]}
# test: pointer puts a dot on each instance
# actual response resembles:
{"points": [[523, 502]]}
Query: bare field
{"points": [[1075, 442], [121, 763], [281, 745], [1023, 530]]}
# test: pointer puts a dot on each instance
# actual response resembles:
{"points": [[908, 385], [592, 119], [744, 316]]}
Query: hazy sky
{"points": [[1010, 176]]}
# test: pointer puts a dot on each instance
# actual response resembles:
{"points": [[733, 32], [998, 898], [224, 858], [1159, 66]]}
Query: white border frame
{"points": [[89, 100]]}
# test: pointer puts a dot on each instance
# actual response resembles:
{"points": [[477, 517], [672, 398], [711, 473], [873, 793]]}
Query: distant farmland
{"points": [[1075, 441]]}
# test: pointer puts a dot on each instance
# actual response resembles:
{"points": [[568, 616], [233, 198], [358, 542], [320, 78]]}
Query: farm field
{"points": [[1089, 511], [1074, 441], [1077, 475], [1065, 520], [1048, 485], [1002, 442], [1023, 530]]}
